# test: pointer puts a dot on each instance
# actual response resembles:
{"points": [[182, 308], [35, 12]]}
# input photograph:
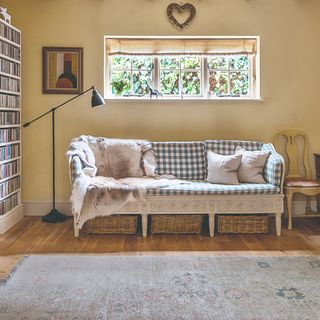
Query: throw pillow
{"points": [[223, 169], [252, 165]]}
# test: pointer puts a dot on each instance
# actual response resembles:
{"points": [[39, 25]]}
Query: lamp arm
{"points": [[25, 125]]}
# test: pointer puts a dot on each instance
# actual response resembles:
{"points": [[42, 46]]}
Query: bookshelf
{"points": [[11, 209]]}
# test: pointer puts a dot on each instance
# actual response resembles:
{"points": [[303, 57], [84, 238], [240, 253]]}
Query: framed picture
{"points": [[62, 70]]}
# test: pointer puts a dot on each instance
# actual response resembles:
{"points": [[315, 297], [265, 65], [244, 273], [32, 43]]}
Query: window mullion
{"points": [[205, 77], [229, 82], [156, 74], [131, 76], [180, 79]]}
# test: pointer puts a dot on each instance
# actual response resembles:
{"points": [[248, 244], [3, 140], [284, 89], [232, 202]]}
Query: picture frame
{"points": [[62, 70]]}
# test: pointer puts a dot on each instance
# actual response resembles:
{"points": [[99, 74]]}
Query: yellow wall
{"points": [[290, 50]]}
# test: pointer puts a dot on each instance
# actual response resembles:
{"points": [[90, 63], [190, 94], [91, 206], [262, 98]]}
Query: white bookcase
{"points": [[11, 209]]}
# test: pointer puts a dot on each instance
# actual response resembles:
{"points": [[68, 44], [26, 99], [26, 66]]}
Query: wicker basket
{"points": [[121, 224], [177, 223], [243, 223]]}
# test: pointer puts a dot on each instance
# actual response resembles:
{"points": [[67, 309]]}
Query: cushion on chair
{"points": [[301, 183]]}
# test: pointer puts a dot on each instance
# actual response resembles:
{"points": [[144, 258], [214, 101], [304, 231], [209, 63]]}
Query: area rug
{"points": [[162, 287]]}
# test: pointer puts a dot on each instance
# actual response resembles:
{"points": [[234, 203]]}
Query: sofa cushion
{"points": [[206, 188], [252, 165], [227, 147], [184, 160], [223, 169]]}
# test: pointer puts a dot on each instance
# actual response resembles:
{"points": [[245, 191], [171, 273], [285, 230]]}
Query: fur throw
{"points": [[79, 147], [101, 196], [117, 158], [116, 171]]}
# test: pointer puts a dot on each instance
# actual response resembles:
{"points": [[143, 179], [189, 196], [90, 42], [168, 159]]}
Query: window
{"points": [[131, 76], [229, 76], [180, 75], [182, 69]]}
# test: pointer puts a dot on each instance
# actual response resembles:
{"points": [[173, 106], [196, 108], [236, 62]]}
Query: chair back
{"points": [[292, 152]]}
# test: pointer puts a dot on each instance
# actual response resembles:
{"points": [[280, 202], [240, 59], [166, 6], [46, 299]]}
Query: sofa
{"points": [[187, 160]]}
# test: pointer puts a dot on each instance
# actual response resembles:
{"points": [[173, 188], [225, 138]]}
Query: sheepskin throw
{"points": [[116, 171]]}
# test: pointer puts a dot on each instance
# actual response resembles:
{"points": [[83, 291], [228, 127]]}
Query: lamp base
{"points": [[54, 216]]}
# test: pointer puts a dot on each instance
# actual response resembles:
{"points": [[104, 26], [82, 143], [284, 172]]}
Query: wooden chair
{"points": [[295, 181]]}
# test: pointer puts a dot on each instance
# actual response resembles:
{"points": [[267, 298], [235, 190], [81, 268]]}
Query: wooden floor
{"points": [[32, 236]]}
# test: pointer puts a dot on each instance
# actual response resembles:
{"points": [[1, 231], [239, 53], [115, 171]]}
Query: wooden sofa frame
{"points": [[211, 205]]}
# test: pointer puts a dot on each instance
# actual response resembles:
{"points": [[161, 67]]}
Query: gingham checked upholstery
{"points": [[76, 167], [187, 160], [184, 160], [206, 188], [273, 169], [227, 147]]}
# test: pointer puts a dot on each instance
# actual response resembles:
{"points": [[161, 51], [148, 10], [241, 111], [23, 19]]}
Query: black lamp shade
{"points": [[97, 99]]}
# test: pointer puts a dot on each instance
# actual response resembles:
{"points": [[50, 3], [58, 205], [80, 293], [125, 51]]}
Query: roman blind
{"points": [[192, 46]]}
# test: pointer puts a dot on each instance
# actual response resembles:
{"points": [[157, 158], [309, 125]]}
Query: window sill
{"points": [[194, 99]]}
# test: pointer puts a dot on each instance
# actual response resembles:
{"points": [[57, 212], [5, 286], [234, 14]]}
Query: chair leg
{"points": [[308, 206], [289, 197]]}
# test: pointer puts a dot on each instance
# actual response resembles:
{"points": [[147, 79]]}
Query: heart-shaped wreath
{"points": [[180, 8]]}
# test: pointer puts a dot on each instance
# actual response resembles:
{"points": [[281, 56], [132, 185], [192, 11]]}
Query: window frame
{"points": [[253, 71]]}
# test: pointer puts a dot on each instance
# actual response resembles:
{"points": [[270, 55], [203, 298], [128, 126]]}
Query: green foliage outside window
{"points": [[229, 75], [180, 74], [131, 75]]}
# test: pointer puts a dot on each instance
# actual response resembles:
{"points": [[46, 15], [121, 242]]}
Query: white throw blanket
{"points": [[101, 196], [115, 172]]}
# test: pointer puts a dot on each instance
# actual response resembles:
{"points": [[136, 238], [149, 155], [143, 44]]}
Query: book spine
{"points": [[9, 152], [8, 203], [9, 186], [9, 50], [8, 101], [10, 117], [9, 135], [10, 34], [9, 169]]}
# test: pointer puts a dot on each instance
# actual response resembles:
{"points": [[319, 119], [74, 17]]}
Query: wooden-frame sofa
{"points": [[187, 160]]}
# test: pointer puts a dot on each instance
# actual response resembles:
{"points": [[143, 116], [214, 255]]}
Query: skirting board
{"points": [[7, 221], [41, 208], [34, 208]]}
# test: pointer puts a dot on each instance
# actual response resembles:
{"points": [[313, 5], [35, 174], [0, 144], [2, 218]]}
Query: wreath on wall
{"points": [[174, 8]]}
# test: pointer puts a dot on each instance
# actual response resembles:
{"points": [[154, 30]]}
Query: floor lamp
{"points": [[54, 216]]}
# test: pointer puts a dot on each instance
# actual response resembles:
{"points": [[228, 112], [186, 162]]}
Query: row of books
{"points": [[9, 84], [8, 203], [9, 67], [9, 50], [9, 186], [9, 117], [9, 169], [9, 152], [8, 135], [9, 33], [8, 101]]}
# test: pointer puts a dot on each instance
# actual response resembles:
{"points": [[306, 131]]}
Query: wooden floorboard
{"points": [[32, 236]]}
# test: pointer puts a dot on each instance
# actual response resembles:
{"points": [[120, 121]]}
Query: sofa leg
{"points": [[144, 217], [278, 223], [211, 224], [75, 227]]}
